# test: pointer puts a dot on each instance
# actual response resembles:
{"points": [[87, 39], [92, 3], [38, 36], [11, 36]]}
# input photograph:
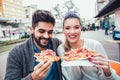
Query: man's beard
{"points": [[39, 43]]}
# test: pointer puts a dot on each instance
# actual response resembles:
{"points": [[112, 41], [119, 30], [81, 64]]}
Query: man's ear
{"points": [[31, 29]]}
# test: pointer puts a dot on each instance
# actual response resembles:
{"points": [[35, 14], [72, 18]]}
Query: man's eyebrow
{"points": [[50, 30], [41, 29], [44, 30]]}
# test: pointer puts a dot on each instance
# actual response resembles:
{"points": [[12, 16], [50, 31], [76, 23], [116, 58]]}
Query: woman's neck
{"points": [[78, 44]]}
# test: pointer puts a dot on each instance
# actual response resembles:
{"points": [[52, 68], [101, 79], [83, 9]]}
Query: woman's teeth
{"points": [[73, 36]]}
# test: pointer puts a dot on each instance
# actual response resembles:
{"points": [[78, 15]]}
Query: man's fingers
{"points": [[46, 65], [41, 69], [44, 72], [40, 64]]}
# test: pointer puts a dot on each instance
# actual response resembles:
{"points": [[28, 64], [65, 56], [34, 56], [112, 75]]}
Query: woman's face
{"points": [[72, 29]]}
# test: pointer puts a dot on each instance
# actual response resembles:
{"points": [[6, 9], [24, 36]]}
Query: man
{"points": [[106, 28], [21, 64]]}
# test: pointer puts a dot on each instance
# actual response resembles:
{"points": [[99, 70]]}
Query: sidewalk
{"points": [[3, 59]]}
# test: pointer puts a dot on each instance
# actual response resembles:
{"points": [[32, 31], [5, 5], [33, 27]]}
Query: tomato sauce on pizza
{"points": [[77, 54], [46, 55]]}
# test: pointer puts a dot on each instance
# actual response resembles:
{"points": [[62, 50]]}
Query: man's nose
{"points": [[46, 35]]}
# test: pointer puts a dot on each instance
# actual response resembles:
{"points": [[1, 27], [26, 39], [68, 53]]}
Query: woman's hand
{"points": [[41, 70], [102, 61]]}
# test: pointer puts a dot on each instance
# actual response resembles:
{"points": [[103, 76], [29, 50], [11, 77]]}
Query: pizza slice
{"points": [[78, 54], [46, 55]]}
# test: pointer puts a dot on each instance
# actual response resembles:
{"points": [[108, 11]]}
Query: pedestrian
{"points": [[101, 69], [21, 64], [106, 26]]}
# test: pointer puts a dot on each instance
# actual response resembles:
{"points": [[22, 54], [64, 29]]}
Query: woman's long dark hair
{"points": [[68, 15]]}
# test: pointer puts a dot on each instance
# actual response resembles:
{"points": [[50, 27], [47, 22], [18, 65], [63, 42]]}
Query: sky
{"points": [[86, 7]]}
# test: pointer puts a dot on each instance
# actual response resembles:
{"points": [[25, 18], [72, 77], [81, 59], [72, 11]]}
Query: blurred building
{"points": [[100, 4], [110, 12], [11, 15], [28, 14], [87, 21]]}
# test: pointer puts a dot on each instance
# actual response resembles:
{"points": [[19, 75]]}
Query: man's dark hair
{"points": [[71, 14], [42, 16]]}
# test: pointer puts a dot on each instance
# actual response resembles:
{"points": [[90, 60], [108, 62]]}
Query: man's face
{"points": [[42, 33]]}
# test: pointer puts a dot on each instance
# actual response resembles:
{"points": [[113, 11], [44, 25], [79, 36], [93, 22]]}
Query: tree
{"points": [[70, 6], [66, 7], [58, 11]]}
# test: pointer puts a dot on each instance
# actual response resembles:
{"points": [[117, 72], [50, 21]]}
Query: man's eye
{"points": [[50, 32], [41, 31]]}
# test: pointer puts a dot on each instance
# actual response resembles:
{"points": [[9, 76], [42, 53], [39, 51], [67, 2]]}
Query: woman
{"points": [[72, 31]]}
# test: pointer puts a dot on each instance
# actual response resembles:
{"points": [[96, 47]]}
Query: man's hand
{"points": [[41, 70], [102, 61]]}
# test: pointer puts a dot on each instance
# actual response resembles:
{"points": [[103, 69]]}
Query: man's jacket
{"points": [[21, 60]]}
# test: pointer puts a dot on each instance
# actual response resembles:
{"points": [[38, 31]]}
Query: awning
{"points": [[112, 5]]}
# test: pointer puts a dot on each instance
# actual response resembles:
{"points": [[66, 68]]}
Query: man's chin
{"points": [[43, 46]]}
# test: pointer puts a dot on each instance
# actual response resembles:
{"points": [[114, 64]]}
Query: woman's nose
{"points": [[72, 31]]}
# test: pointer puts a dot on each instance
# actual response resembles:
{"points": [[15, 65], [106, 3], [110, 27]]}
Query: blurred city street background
{"points": [[111, 48], [16, 17]]}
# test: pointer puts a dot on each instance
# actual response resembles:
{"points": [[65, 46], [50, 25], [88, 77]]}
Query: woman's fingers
{"points": [[100, 55], [100, 61]]}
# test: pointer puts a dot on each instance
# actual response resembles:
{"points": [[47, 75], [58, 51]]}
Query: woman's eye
{"points": [[67, 28], [77, 27]]}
